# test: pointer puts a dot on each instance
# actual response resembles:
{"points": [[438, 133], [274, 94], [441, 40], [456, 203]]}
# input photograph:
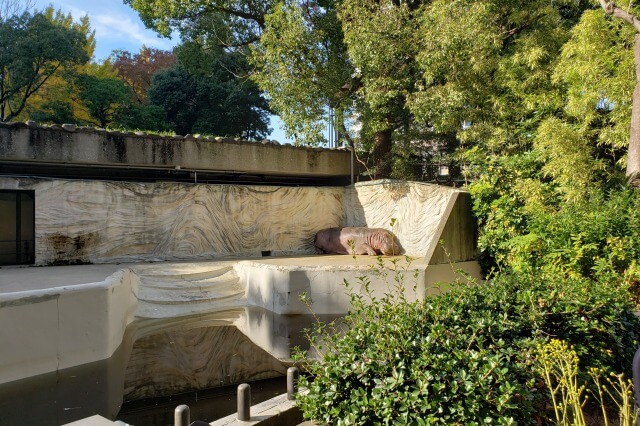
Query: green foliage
{"points": [[245, 19], [301, 63], [489, 63], [554, 198], [573, 223], [33, 49], [563, 150], [174, 91], [466, 356], [139, 116], [103, 96], [382, 44], [214, 103], [597, 69], [54, 112], [208, 91]]}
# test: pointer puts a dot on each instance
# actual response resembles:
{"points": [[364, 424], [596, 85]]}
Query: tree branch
{"points": [[610, 8], [257, 18]]}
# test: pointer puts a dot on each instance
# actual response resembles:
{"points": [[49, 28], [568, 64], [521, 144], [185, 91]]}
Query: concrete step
{"points": [[194, 276], [190, 294], [219, 284], [206, 280], [157, 310], [180, 294]]}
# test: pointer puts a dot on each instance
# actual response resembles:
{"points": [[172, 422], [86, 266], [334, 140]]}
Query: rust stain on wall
{"points": [[68, 250]]}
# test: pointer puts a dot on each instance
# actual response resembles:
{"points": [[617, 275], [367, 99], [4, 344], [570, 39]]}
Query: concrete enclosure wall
{"points": [[102, 222], [424, 215], [58, 328], [24, 144]]}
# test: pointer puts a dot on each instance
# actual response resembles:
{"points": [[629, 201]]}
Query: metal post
{"points": [[182, 416], [292, 382], [352, 165], [635, 367], [244, 402]]}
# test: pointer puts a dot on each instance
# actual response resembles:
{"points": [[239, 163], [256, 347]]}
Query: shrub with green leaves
{"points": [[530, 222], [466, 356]]}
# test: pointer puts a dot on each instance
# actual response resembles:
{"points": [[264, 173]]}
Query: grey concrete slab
{"points": [[14, 279]]}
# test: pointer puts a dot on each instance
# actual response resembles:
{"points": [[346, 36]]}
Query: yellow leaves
{"points": [[568, 157], [558, 363]]}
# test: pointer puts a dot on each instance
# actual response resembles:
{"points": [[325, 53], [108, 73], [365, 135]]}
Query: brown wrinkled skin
{"points": [[370, 241]]}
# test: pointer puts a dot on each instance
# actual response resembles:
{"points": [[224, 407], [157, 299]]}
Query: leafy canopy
{"points": [[34, 49], [208, 92]]}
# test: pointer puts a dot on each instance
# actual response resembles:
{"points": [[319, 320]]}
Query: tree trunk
{"points": [[382, 153], [633, 154]]}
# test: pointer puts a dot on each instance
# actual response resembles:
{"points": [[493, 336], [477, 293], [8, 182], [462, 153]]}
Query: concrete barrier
{"points": [[52, 329]]}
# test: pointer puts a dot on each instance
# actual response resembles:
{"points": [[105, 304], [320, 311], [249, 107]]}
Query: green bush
{"points": [[466, 356], [528, 222]]}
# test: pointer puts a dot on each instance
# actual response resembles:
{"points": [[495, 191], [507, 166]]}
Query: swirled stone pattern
{"points": [[420, 211], [99, 222], [82, 221], [179, 361]]}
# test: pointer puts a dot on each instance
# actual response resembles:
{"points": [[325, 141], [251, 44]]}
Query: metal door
{"points": [[17, 227]]}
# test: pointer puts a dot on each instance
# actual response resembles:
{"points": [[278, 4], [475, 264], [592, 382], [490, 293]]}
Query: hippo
{"points": [[371, 241]]}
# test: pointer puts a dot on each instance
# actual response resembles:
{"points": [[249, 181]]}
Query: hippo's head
{"points": [[389, 244]]}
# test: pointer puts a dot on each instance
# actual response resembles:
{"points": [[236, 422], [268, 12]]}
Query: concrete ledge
{"points": [[278, 411], [47, 330], [24, 145], [92, 421], [277, 284]]}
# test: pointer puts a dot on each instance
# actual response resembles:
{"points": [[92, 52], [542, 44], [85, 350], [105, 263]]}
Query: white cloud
{"points": [[123, 28], [117, 26]]}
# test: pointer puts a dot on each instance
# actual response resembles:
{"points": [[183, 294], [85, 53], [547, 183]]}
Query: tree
{"points": [[137, 70], [382, 45], [353, 58], [631, 17], [247, 19], [137, 116], [301, 62], [103, 96], [54, 112], [34, 48], [203, 93], [175, 91], [57, 101]]}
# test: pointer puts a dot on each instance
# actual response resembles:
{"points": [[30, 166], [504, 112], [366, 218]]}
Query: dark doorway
{"points": [[17, 227]]}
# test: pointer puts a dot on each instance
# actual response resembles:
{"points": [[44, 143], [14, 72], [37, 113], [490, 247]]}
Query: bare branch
{"points": [[9, 8]]}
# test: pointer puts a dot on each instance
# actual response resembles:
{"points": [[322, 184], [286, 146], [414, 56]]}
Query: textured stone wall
{"points": [[101, 222], [421, 212]]}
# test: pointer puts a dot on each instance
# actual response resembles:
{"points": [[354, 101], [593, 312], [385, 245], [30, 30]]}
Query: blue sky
{"points": [[117, 26]]}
